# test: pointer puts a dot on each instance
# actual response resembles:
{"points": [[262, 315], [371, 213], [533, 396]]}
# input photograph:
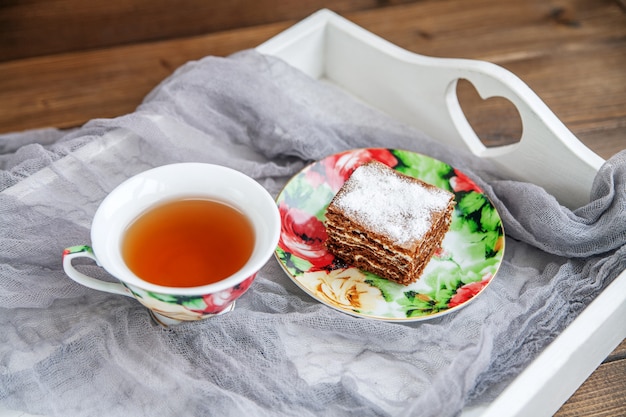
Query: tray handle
{"points": [[421, 91]]}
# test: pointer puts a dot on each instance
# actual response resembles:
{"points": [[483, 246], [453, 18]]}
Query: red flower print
{"points": [[216, 302], [468, 291], [461, 182], [340, 167], [238, 290], [303, 235]]}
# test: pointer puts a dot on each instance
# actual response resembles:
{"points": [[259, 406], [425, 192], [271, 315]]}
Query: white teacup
{"points": [[132, 198]]}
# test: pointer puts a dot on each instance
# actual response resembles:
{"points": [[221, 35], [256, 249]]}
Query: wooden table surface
{"points": [[64, 62]]}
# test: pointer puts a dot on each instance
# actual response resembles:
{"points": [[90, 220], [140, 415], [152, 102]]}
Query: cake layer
{"points": [[369, 252]]}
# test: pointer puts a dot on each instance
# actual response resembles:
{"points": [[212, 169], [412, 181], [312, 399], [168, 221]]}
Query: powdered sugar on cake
{"points": [[390, 204]]}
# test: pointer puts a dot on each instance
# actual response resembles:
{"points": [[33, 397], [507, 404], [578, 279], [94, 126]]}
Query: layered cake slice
{"points": [[388, 223]]}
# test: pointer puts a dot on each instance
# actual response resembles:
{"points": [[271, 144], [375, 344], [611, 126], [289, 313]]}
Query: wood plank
{"points": [[618, 353], [42, 27], [603, 394], [67, 90]]}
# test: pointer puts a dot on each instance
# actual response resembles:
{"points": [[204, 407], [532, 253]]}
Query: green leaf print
{"points": [[491, 240], [295, 266], [444, 282], [306, 197], [465, 225], [194, 303], [489, 218], [301, 264], [471, 202], [425, 168], [389, 289], [419, 304], [163, 297]]}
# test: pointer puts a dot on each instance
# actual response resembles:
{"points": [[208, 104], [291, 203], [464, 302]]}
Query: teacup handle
{"points": [[86, 252]]}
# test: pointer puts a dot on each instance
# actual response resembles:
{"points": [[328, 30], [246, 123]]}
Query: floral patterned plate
{"points": [[467, 261]]}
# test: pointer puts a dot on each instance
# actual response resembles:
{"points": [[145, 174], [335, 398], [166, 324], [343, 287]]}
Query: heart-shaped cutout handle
{"points": [[495, 120]]}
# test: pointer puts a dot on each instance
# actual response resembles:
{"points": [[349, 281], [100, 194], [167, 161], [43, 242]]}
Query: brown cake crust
{"points": [[388, 223]]}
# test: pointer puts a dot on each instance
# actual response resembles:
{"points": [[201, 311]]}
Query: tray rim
{"points": [[559, 370]]}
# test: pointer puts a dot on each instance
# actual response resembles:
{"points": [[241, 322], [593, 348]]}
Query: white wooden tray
{"points": [[421, 91]]}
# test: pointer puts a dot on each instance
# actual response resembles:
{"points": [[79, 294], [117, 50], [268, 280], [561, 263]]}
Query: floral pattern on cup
{"points": [[188, 308], [462, 268], [180, 307]]}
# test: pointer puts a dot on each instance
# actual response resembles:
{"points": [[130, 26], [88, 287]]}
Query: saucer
{"points": [[462, 268]]}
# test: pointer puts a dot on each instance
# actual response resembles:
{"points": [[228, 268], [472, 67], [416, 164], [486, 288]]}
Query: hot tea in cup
{"points": [[181, 243]]}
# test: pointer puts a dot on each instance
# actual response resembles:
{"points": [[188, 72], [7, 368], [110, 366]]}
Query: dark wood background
{"points": [[64, 62]]}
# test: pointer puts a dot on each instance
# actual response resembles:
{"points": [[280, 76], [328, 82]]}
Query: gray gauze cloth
{"points": [[67, 350]]}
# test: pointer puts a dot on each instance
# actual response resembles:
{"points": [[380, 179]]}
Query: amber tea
{"points": [[188, 243]]}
